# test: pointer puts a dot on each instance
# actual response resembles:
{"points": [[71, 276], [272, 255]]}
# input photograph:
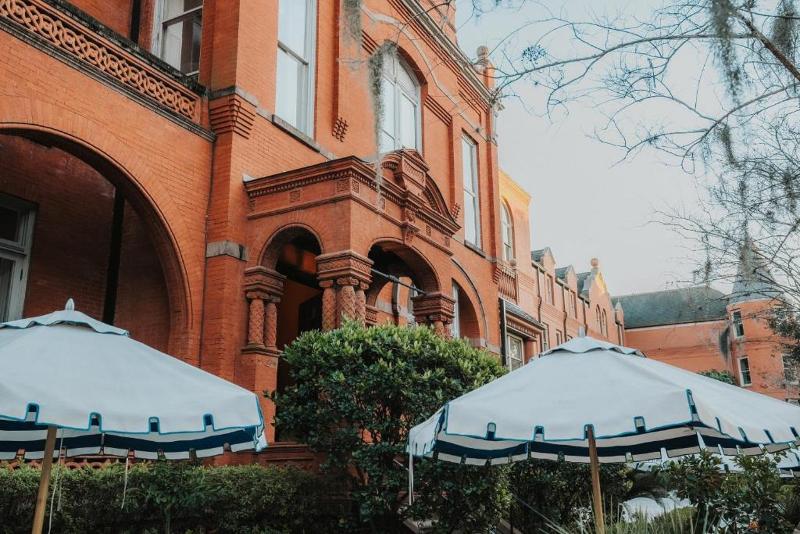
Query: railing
{"points": [[41, 21], [506, 277]]}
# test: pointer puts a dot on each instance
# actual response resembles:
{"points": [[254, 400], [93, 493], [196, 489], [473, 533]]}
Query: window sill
{"points": [[475, 249], [297, 134]]}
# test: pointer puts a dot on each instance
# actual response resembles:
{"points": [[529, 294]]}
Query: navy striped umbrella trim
{"points": [[93, 439], [561, 448]]}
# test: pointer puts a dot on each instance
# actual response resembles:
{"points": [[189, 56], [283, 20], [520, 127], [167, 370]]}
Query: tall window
{"points": [[604, 323], [294, 101], [455, 327], [549, 289], [507, 230], [16, 232], [515, 351], [744, 372], [400, 97], [573, 304], [738, 325], [472, 208], [559, 337], [179, 25]]}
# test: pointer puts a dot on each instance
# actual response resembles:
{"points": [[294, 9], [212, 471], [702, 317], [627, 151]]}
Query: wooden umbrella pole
{"points": [[44, 481], [597, 498]]}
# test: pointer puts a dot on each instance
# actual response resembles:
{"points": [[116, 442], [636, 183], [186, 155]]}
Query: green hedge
{"points": [[179, 498]]}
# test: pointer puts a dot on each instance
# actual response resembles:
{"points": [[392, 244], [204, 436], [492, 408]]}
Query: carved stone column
{"points": [[343, 276], [436, 310], [361, 303], [328, 304], [255, 326], [271, 325], [263, 289]]}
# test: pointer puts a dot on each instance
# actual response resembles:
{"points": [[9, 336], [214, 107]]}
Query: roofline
{"points": [[680, 323], [668, 291]]}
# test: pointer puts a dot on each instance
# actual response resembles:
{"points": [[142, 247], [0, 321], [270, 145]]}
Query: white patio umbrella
{"points": [[68, 376], [590, 401]]}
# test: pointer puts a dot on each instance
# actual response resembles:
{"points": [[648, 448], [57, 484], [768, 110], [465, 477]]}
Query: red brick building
{"points": [[703, 329], [206, 174]]}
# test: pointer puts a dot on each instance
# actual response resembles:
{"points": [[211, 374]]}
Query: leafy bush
{"points": [[560, 493], [722, 376], [753, 500], [358, 391], [173, 497]]}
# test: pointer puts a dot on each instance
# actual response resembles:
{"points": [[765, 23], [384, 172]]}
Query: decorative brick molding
{"points": [[84, 45], [436, 309], [231, 113], [345, 264], [340, 129]]}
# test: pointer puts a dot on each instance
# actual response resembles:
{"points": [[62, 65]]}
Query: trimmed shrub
{"points": [[174, 497]]}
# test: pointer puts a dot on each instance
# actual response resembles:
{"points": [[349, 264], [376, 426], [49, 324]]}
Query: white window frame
{"points": [[507, 232], [18, 252], [397, 63], [455, 326], [157, 44], [469, 149], [521, 359], [737, 324], [749, 381], [306, 103]]}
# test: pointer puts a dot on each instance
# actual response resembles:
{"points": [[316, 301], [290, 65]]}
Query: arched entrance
{"points": [[405, 289], [74, 224]]}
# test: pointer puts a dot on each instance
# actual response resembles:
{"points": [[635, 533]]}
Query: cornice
{"points": [[449, 48]]}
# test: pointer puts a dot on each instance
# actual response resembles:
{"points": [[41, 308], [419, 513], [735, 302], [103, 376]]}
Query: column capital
{"points": [[259, 280], [346, 267], [434, 307]]}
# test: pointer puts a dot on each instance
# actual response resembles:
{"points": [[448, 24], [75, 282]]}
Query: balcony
{"points": [[506, 278], [83, 43]]}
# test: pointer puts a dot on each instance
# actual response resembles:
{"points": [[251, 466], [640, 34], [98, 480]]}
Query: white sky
{"points": [[584, 203]]}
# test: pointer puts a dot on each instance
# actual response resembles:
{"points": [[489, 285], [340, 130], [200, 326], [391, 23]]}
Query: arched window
{"points": [[400, 98], [507, 231], [604, 324]]}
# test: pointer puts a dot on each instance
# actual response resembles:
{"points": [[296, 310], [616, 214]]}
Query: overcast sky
{"points": [[584, 202]]}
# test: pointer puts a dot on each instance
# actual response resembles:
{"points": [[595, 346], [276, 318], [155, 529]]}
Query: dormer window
{"points": [[400, 124]]}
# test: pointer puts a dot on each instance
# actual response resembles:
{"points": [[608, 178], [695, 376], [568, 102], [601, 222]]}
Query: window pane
{"points": [[9, 224], [181, 46], [405, 79], [6, 270], [455, 327], [292, 24], [467, 150], [173, 8], [408, 122], [289, 88], [386, 142], [470, 230], [387, 99]]}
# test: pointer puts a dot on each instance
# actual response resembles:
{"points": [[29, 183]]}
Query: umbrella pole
{"points": [[597, 499], [44, 481]]}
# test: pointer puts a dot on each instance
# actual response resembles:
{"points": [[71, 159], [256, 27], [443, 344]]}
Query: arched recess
{"points": [[466, 323], [396, 266], [291, 252], [475, 300], [135, 202]]}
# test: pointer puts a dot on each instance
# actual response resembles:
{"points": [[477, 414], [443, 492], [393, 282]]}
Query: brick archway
{"points": [[140, 201], [394, 261]]}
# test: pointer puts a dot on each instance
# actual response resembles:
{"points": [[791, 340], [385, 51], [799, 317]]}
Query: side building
{"points": [[542, 305], [702, 329]]}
